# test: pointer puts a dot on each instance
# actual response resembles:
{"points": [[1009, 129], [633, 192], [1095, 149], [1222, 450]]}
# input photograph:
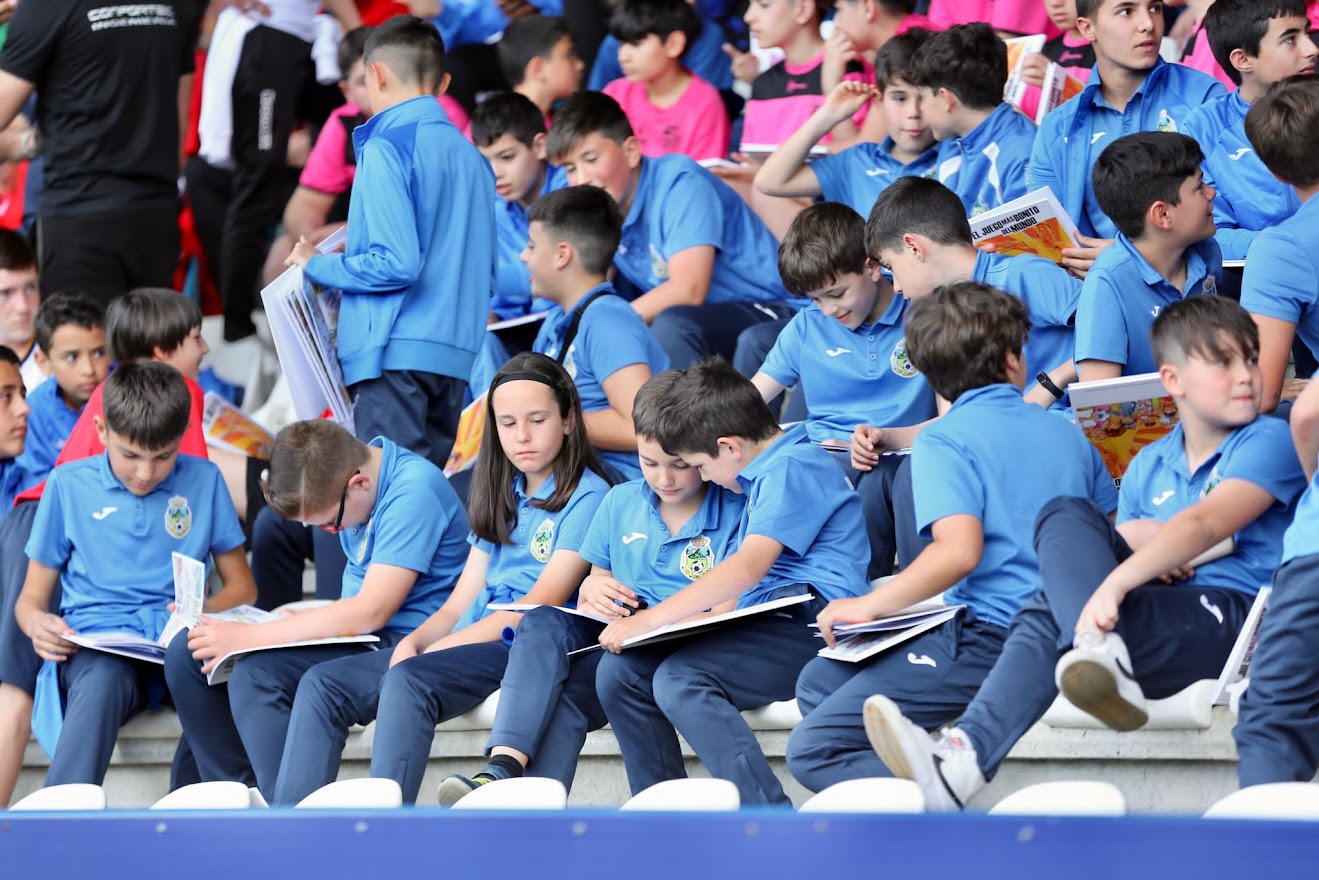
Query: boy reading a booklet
{"points": [[1150, 184], [972, 496], [104, 531], [715, 421], [1121, 615], [847, 354]]}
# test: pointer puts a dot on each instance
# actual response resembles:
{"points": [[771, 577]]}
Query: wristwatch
{"points": [[1047, 384]]}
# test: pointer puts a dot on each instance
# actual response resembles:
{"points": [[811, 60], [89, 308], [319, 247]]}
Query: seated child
{"points": [[706, 57], [71, 350], [864, 27], [19, 298], [848, 352], [1006, 18], [402, 528], [14, 478], [972, 496], [539, 60], [700, 256], [671, 109], [598, 338], [547, 700], [1070, 50], [984, 143], [715, 421], [537, 486], [1141, 623], [1152, 187], [104, 533]]}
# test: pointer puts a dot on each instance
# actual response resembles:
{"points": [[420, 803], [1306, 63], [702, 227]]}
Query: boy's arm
{"points": [[869, 443], [768, 386], [785, 172], [346, 12], [307, 212], [1275, 351], [32, 612], [1091, 370], [1305, 428], [690, 273], [611, 428], [440, 624], [239, 586]]}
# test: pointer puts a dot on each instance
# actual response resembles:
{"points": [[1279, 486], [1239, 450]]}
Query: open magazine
{"points": [[854, 642], [1122, 416], [1033, 224], [229, 428]]}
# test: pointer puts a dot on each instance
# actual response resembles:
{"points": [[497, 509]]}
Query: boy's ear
{"points": [[159, 354], [538, 146], [1172, 379], [947, 99], [675, 44], [564, 255], [1159, 216], [733, 445], [917, 244], [803, 11], [43, 361], [443, 86], [379, 74], [102, 431], [632, 152], [1086, 28], [534, 68], [1241, 61], [873, 270]]}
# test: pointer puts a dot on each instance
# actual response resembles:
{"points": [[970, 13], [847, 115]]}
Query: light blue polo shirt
{"points": [[1123, 294], [1072, 137], [797, 495], [857, 175], [851, 377], [511, 297], [112, 548], [1282, 273], [48, 425], [1249, 197], [997, 458], [418, 523], [987, 167], [611, 336], [1051, 295], [680, 205], [628, 536], [1157, 485]]}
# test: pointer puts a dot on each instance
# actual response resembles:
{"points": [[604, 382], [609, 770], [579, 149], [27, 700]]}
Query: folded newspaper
{"points": [[854, 642], [1033, 224]]}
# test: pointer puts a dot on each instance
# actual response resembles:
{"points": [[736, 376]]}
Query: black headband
{"points": [[521, 377]]}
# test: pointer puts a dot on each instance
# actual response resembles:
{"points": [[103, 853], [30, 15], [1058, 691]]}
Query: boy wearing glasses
{"points": [[404, 532]]}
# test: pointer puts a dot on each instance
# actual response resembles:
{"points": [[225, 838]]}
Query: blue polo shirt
{"points": [[418, 523], [680, 205], [997, 458], [797, 496], [1282, 273], [1249, 197], [1051, 295], [14, 478], [851, 377], [611, 336], [112, 548], [48, 425], [628, 536], [857, 175], [1158, 485], [987, 167], [512, 294], [1072, 137], [1123, 294]]}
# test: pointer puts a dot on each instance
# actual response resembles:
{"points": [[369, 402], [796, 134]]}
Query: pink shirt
{"points": [[695, 125], [1030, 102], [1017, 16], [1201, 58], [785, 96]]}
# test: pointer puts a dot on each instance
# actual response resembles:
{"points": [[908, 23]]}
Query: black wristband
{"points": [[1047, 384]]}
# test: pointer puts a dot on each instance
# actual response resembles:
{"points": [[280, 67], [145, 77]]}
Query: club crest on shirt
{"points": [[1209, 286], [1166, 122], [980, 207], [1213, 480], [542, 541], [902, 364], [570, 362], [697, 558], [178, 517], [659, 267]]}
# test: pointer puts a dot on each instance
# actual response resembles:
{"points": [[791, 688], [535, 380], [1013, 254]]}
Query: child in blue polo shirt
{"points": [[972, 496], [802, 533], [1131, 89], [573, 235], [14, 478], [1120, 616], [984, 141], [419, 265], [1258, 44], [649, 539], [1152, 187], [537, 486], [104, 531], [702, 259], [847, 354], [509, 130], [71, 350], [1281, 284]]}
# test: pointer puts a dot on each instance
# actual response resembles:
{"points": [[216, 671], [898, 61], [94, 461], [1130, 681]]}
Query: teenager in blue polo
{"points": [[571, 242], [702, 258], [1131, 89], [1152, 187], [104, 532], [14, 478]]}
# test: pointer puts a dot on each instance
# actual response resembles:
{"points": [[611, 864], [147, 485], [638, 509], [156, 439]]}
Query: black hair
{"points": [[15, 252], [648, 406], [582, 115], [1242, 24], [968, 60], [147, 403], [66, 307], [142, 320], [506, 113], [528, 37], [1137, 170], [352, 48], [916, 206], [634, 20], [823, 242], [9, 356], [587, 217], [411, 48], [710, 400], [893, 61]]}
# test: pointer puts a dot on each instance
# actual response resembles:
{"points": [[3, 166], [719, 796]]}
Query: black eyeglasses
{"points": [[343, 500]]}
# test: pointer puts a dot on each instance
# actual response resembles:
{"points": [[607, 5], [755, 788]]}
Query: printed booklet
{"points": [[229, 428], [1122, 416], [854, 642], [1033, 224]]}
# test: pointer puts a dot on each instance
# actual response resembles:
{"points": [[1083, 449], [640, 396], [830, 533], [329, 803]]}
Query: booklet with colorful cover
{"points": [[1059, 88], [854, 642], [1122, 416], [1018, 48], [1033, 224], [467, 444], [229, 428]]}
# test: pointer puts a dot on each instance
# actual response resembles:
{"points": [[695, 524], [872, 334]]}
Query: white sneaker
{"points": [[945, 768], [1096, 677]]}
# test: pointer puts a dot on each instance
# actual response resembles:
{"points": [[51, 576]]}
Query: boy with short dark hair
{"points": [[971, 498], [419, 263], [984, 142], [1107, 592], [715, 421], [14, 478], [539, 60], [19, 298], [104, 533], [1152, 187], [690, 244], [72, 351]]}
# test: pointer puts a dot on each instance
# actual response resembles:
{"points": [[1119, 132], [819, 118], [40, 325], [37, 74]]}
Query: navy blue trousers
{"points": [[417, 410], [280, 550], [689, 333], [753, 346], [19, 663]]}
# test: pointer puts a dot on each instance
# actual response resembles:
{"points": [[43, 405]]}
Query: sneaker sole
{"points": [[887, 729], [451, 791], [1091, 687]]}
